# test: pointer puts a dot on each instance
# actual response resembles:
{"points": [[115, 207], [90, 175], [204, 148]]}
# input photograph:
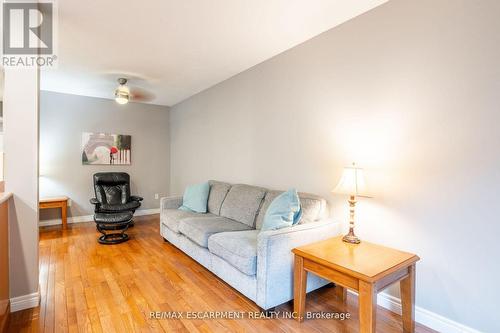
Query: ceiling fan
{"points": [[124, 93]]}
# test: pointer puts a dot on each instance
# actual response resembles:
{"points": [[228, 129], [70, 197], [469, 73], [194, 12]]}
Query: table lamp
{"points": [[351, 183]]}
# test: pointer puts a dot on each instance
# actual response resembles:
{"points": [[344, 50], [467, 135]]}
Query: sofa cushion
{"points": [[239, 248], [242, 203], [196, 198], [218, 192], [198, 229], [313, 207], [284, 211], [270, 196], [172, 217]]}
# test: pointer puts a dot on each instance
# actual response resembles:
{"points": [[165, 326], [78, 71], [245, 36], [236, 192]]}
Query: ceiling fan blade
{"points": [[141, 95]]}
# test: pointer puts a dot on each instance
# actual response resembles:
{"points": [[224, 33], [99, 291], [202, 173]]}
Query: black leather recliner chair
{"points": [[114, 206], [112, 193]]}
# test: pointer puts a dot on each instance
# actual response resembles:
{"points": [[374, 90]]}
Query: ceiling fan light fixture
{"points": [[121, 97]]}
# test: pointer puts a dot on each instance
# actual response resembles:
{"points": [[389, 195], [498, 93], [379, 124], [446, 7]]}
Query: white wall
{"points": [[20, 109], [64, 117], [410, 91]]}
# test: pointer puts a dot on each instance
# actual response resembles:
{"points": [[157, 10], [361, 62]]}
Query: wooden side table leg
{"points": [[64, 215], [407, 287], [341, 292], [367, 307], [299, 288]]}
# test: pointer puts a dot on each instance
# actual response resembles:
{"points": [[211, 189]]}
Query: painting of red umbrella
{"points": [[103, 148]]}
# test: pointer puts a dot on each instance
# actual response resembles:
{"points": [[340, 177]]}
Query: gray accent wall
{"points": [[64, 117], [410, 91]]}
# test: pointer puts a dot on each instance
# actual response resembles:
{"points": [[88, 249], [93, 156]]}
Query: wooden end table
{"points": [[56, 202], [365, 268]]}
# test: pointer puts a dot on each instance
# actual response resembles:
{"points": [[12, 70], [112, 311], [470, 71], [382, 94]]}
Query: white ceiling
{"points": [[176, 48]]}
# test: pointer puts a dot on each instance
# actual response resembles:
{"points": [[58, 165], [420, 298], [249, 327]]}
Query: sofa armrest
{"points": [[170, 202], [275, 260], [136, 198]]}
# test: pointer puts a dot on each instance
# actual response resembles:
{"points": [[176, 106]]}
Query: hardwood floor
{"points": [[88, 287]]}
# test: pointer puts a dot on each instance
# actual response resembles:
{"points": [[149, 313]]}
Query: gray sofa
{"points": [[227, 240]]}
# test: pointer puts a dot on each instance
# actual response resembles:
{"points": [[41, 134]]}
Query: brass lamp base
{"points": [[351, 238]]}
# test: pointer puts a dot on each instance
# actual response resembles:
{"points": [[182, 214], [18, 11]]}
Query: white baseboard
{"points": [[143, 212], [90, 218], [423, 316], [24, 302], [72, 219]]}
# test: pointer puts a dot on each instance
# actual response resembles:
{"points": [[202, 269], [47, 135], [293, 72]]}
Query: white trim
{"points": [[423, 316], [25, 302], [90, 218], [73, 219], [151, 211], [390, 303]]}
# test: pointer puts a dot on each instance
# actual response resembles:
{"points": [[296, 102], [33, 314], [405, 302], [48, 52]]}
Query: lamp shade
{"points": [[352, 182]]}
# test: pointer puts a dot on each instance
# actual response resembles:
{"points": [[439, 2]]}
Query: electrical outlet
{"points": [[157, 196]]}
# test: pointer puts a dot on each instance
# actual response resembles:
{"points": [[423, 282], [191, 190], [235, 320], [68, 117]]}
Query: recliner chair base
{"points": [[114, 238], [113, 222]]}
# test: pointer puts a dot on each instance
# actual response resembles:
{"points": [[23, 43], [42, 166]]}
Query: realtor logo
{"points": [[28, 34]]}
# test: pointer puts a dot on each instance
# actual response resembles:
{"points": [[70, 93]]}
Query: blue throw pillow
{"points": [[195, 198], [284, 211]]}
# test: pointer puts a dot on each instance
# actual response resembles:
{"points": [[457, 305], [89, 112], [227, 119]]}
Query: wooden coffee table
{"points": [[365, 268], [56, 202]]}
